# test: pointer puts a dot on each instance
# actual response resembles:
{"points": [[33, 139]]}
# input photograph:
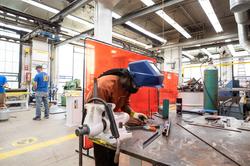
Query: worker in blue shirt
{"points": [[3, 85], [41, 81]]}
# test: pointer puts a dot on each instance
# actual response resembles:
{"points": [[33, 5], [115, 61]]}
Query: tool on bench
{"points": [[166, 128], [215, 127], [152, 128], [150, 139], [194, 111]]}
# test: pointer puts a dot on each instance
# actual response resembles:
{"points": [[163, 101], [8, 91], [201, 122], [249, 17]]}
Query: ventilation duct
{"points": [[241, 9]]}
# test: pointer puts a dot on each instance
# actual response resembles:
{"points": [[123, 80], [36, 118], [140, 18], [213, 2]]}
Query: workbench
{"points": [[183, 148], [21, 98]]}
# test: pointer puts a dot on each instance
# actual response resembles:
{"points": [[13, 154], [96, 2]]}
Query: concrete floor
{"points": [[48, 142]]}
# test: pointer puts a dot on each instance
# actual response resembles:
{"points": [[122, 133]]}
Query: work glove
{"points": [[139, 116], [247, 119]]}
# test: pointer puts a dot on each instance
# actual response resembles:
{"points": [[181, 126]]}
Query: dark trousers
{"points": [[104, 156]]}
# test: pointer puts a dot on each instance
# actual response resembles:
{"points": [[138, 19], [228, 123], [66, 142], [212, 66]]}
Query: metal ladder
{"points": [[241, 70]]}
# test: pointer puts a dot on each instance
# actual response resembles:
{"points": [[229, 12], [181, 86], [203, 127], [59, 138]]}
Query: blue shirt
{"points": [[42, 80], [3, 80]]}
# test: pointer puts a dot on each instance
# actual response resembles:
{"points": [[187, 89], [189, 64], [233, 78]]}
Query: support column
{"points": [[103, 20], [173, 61], [103, 23]]}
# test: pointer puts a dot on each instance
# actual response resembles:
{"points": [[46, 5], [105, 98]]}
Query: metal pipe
{"points": [[239, 5], [242, 21], [240, 9], [146, 10], [243, 37]]}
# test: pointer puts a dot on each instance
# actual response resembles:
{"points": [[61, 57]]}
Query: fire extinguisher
{"points": [[28, 76]]}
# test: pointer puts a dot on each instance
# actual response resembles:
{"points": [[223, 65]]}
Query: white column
{"points": [[103, 22], [173, 61]]}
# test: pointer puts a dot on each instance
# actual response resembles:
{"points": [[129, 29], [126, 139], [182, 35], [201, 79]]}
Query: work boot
{"points": [[37, 118]]}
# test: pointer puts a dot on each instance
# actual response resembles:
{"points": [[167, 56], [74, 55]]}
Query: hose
{"points": [[113, 127]]}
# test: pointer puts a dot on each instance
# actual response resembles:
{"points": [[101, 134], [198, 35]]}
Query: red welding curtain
{"points": [[101, 57]]}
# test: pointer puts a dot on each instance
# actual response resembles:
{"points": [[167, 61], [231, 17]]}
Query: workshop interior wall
{"points": [[101, 57]]}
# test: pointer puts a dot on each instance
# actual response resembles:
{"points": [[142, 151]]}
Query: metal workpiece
{"points": [[235, 145], [179, 148]]}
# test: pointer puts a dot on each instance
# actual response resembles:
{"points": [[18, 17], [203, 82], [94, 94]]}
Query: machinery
{"points": [[70, 85], [100, 122], [192, 85]]}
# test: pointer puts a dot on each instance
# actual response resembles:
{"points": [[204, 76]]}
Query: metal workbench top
{"points": [[183, 148]]}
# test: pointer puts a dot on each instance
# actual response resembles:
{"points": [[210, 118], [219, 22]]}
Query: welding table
{"points": [[183, 148], [18, 96]]}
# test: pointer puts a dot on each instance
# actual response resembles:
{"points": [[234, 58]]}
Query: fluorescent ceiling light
{"points": [[55, 11], [70, 32], [129, 39], [115, 15], [168, 19], [150, 34], [42, 6], [208, 9], [15, 27], [62, 38], [9, 14], [140, 29], [23, 18], [206, 52], [187, 54]]}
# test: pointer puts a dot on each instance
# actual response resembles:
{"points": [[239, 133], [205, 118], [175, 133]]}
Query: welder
{"points": [[3, 85], [116, 86]]}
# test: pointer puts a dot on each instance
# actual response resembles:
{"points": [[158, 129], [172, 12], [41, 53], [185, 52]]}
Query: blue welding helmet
{"points": [[145, 73]]}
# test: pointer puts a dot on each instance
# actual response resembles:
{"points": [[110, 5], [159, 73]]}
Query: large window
{"points": [[70, 64], [9, 59]]}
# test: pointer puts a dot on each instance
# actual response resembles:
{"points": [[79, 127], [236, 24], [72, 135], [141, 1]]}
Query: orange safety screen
{"points": [[170, 87], [100, 57]]}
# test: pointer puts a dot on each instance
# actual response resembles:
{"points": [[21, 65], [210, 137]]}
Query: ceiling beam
{"points": [[213, 39], [58, 17], [74, 38], [147, 10], [69, 9], [222, 43]]}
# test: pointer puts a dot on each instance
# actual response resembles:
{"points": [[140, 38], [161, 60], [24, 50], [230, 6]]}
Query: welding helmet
{"points": [[145, 73]]}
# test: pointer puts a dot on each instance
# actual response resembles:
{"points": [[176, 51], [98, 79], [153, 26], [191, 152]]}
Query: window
{"points": [[9, 59], [70, 64]]}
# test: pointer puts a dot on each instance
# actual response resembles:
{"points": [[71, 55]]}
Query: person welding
{"points": [[3, 85], [116, 86]]}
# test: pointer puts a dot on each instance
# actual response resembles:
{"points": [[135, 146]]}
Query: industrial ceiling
{"points": [[188, 14]]}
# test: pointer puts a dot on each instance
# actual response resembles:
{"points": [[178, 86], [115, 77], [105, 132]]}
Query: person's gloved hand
{"points": [[247, 119], [140, 116]]}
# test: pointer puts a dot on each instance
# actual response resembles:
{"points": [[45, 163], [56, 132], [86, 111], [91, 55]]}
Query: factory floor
{"points": [[24, 142]]}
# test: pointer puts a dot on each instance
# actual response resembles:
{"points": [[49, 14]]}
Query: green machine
{"points": [[211, 88], [70, 85]]}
